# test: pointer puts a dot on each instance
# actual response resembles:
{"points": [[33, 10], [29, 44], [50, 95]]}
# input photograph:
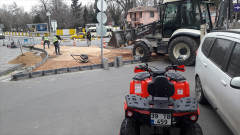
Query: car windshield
{"points": [[80, 33], [92, 30]]}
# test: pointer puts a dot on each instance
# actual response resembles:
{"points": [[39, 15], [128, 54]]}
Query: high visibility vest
{"points": [[55, 39], [45, 38], [89, 36]]}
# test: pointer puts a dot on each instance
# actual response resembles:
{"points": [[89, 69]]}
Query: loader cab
{"points": [[188, 14]]}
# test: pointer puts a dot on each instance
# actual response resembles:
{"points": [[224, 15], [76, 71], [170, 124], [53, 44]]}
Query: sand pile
{"points": [[92, 50], [64, 57], [29, 59]]}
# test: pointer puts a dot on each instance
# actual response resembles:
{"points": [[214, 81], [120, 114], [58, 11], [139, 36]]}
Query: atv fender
{"points": [[147, 43]]}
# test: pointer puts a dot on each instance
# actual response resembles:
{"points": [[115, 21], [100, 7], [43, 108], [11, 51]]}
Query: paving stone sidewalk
{"points": [[8, 54]]}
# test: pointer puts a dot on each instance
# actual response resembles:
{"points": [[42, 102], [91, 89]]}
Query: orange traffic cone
{"points": [[104, 43], [42, 43], [74, 44]]}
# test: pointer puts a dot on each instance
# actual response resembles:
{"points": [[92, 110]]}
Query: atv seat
{"points": [[161, 87]]}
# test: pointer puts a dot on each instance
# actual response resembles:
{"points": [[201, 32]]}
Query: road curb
{"points": [[49, 72], [96, 66], [73, 69], [61, 70], [21, 76], [19, 66]]}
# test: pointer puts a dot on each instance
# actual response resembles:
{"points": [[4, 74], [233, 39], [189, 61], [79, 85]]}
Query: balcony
{"points": [[135, 19]]}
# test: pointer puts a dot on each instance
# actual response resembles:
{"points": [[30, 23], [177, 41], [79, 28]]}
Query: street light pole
{"points": [[49, 25]]}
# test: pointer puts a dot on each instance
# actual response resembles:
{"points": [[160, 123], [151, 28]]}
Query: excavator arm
{"points": [[226, 5], [130, 34]]}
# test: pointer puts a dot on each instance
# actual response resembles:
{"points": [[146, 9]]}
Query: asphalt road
{"points": [[81, 103]]}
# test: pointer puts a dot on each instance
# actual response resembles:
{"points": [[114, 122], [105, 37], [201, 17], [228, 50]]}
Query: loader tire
{"points": [[130, 127], [190, 129], [142, 50], [183, 45]]}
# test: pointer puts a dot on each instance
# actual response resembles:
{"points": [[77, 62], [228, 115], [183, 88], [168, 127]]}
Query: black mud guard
{"points": [[147, 43], [184, 34]]}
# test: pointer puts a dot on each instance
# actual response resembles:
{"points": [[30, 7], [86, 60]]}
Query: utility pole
{"points": [[48, 14]]}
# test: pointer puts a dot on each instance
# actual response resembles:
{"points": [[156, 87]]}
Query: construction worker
{"points": [[45, 39], [89, 38], [55, 43]]}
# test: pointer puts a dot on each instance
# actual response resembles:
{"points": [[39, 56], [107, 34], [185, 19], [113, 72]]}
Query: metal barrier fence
{"points": [[26, 41]]}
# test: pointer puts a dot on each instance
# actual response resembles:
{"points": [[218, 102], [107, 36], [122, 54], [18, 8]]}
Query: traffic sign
{"points": [[236, 7], [104, 17], [104, 30], [99, 5]]}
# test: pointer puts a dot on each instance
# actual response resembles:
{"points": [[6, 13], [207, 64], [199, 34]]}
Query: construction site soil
{"points": [[27, 59], [66, 60]]}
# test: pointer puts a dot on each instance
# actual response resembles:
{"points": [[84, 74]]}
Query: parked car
{"points": [[2, 35], [79, 35], [217, 75]]}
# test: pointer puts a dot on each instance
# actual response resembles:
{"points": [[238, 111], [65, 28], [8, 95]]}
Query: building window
{"points": [[151, 14], [140, 15], [131, 15]]}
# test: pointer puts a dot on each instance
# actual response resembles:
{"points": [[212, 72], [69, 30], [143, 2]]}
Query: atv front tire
{"points": [[199, 92], [183, 45], [190, 129], [142, 50], [130, 127]]}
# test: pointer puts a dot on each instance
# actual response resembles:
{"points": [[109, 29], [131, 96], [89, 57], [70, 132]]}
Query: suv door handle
{"points": [[205, 65], [223, 83]]}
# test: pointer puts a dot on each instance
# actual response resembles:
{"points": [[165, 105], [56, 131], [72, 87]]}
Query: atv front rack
{"points": [[183, 105]]}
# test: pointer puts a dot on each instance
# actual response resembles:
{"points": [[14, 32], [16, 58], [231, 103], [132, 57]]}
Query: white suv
{"points": [[217, 75]]}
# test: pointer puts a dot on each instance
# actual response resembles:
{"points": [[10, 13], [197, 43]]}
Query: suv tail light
{"points": [[196, 52]]}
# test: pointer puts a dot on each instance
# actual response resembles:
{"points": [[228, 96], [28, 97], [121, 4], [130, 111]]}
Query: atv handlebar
{"points": [[144, 68]]}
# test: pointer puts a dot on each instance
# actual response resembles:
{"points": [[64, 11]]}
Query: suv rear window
{"points": [[234, 64], [206, 45], [218, 51]]}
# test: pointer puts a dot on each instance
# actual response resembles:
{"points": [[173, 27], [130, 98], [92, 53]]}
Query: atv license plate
{"points": [[138, 88], [160, 119]]}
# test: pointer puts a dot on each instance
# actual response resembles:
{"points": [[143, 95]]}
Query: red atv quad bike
{"points": [[160, 99]]}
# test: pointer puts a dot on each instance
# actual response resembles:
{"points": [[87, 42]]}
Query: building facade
{"points": [[142, 15]]}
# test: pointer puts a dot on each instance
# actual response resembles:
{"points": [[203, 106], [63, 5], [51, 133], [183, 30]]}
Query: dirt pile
{"points": [[93, 52], [28, 59]]}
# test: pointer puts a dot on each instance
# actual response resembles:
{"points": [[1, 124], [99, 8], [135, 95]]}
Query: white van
{"points": [[93, 32]]}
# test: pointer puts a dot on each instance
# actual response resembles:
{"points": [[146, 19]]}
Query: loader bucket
{"points": [[117, 39]]}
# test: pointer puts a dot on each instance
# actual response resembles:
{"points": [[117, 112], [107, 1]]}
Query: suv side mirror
{"points": [[235, 83]]}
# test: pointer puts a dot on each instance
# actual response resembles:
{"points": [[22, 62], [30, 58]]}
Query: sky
{"points": [[27, 4]]}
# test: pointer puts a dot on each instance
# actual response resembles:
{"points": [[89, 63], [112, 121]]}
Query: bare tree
{"points": [[7, 17], [145, 2], [125, 5]]}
